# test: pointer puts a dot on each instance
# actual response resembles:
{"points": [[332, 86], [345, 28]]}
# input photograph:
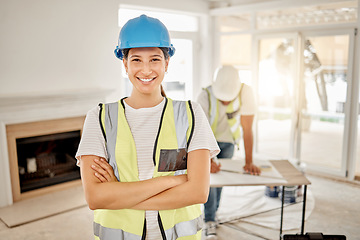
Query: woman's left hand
{"points": [[103, 171]]}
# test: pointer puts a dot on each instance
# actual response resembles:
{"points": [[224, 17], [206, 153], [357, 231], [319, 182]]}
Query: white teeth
{"points": [[146, 79]]}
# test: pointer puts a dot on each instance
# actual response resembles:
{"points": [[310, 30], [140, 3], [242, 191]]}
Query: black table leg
{"points": [[303, 211], [282, 210]]}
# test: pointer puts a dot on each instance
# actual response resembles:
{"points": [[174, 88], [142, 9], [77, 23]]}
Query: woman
{"points": [[145, 159]]}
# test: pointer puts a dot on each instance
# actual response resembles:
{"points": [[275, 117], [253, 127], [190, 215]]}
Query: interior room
{"points": [[300, 58]]}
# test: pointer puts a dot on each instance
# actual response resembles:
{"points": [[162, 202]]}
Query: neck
{"points": [[225, 102], [144, 101]]}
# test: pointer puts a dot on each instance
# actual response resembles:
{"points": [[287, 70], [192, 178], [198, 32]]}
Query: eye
{"points": [[155, 59], [135, 60]]}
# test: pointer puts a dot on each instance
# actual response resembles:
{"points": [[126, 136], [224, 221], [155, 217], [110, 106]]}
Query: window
{"points": [[236, 50], [178, 81]]}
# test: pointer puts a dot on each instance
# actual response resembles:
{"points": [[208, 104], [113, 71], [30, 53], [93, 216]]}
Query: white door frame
{"points": [[351, 107], [348, 141], [256, 38], [194, 37]]}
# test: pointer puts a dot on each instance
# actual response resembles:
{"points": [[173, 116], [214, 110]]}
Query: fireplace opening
{"points": [[47, 160]]}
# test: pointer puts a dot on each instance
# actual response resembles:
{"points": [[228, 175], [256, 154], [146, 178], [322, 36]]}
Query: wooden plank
{"points": [[13, 165], [31, 129], [291, 174]]}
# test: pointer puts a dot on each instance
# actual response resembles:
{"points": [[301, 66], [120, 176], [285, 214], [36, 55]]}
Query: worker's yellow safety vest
{"points": [[232, 112], [169, 157]]}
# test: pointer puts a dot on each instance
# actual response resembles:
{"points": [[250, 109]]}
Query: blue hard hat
{"points": [[143, 31]]}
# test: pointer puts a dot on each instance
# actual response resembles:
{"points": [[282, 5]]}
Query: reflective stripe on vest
{"points": [[109, 116], [181, 229], [213, 109], [112, 234], [175, 132], [232, 110]]}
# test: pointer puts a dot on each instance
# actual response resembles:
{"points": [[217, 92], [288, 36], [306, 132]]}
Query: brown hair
{"points": [[162, 91]]}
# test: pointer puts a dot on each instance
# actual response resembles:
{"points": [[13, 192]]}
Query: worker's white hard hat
{"points": [[226, 85]]}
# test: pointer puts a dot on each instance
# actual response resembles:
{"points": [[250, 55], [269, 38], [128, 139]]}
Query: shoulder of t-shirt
{"points": [[203, 98], [247, 87], [198, 111], [94, 111], [247, 101], [247, 91], [195, 105], [203, 93]]}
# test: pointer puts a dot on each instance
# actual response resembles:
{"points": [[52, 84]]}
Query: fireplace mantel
{"points": [[39, 107]]}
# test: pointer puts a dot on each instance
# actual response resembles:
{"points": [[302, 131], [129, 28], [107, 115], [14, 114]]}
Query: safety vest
{"points": [[170, 152], [232, 111]]}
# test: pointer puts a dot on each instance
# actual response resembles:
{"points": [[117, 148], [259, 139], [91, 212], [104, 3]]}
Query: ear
{"points": [[125, 62], [167, 64]]}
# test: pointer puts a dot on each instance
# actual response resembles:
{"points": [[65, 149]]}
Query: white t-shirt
{"points": [[142, 122], [248, 107]]}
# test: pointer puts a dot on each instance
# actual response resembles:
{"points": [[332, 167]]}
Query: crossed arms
{"points": [[103, 191]]}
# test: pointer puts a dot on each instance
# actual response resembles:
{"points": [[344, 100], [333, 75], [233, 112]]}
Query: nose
{"points": [[146, 70]]}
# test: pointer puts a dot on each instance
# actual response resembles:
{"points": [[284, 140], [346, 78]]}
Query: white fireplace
{"points": [[39, 114]]}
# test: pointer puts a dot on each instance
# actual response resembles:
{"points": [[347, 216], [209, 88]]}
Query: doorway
{"points": [[303, 94], [325, 99]]}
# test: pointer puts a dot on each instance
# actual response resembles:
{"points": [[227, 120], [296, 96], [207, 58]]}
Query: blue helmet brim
{"points": [[119, 54], [171, 50]]}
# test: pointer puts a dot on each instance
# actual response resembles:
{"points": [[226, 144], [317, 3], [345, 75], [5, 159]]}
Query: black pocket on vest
{"points": [[172, 160]]}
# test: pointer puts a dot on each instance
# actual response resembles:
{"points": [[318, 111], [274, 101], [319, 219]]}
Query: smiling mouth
{"points": [[146, 79]]}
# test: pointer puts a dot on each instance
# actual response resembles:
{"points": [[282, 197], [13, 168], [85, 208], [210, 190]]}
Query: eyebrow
{"points": [[155, 55]]}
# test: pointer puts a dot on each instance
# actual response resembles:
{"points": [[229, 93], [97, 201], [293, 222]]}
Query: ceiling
{"points": [[282, 13], [260, 5]]}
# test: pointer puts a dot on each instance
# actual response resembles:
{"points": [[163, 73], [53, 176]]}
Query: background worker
{"points": [[132, 152], [228, 105]]}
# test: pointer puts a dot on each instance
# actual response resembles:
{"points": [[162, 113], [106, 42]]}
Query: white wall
{"points": [[186, 6], [54, 48], [57, 45]]}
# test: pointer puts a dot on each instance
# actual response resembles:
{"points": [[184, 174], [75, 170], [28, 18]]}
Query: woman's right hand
{"points": [[103, 171], [214, 166]]}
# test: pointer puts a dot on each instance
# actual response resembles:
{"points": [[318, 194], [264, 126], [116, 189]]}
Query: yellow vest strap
{"points": [[231, 111]]}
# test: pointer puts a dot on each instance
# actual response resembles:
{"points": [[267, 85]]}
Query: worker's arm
{"points": [[195, 190], [203, 100], [119, 195], [215, 166], [246, 124]]}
